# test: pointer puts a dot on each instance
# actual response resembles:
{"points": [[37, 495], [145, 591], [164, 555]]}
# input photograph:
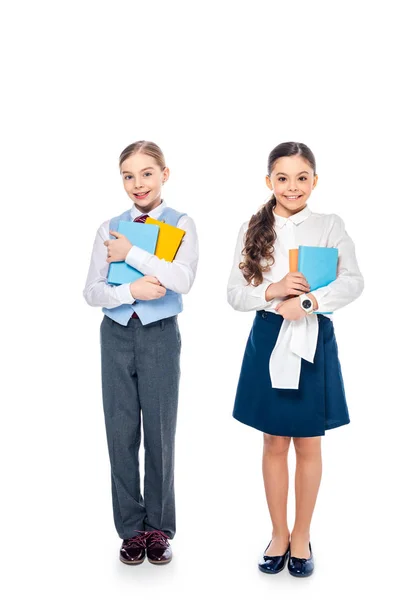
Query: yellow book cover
{"points": [[168, 241]]}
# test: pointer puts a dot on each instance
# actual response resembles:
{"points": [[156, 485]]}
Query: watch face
{"points": [[306, 304]]}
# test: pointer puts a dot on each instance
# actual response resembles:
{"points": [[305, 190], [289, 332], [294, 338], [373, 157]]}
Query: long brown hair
{"points": [[149, 148], [261, 236]]}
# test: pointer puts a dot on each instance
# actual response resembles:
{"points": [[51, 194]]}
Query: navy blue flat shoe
{"points": [[273, 564], [301, 567]]}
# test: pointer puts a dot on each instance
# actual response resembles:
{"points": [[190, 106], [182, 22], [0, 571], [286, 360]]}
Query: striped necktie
{"points": [[140, 219]]}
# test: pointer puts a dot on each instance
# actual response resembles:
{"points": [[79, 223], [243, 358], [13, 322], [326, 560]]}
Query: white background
{"points": [[217, 85]]}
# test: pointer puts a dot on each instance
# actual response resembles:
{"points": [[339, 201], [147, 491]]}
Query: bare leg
{"points": [[307, 481], [276, 483]]}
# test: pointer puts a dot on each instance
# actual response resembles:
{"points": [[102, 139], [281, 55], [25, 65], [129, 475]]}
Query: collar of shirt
{"points": [[296, 218], [154, 214]]}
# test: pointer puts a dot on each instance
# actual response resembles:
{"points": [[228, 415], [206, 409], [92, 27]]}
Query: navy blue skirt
{"points": [[317, 405]]}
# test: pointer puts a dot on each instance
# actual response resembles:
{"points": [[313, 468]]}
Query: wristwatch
{"points": [[306, 304]]}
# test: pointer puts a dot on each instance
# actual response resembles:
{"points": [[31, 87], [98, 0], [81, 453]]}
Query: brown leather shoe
{"points": [[158, 549], [133, 550]]}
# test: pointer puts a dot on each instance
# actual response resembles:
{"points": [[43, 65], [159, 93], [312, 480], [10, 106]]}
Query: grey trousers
{"points": [[140, 379]]}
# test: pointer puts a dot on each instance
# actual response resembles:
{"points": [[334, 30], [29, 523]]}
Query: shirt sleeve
{"points": [[241, 295], [177, 275], [97, 291], [349, 282]]}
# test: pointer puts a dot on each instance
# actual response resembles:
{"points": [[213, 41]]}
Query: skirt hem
{"points": [[327, 428]]}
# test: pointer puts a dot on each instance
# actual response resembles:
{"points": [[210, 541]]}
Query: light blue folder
{"points": [[141, 235], [319, 266]]}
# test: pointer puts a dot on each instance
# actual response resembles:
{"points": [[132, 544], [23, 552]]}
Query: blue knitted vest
{"points": [[148, 311]]}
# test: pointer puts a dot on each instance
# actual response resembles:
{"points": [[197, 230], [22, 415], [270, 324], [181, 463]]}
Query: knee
{"points": [[307, 447], [276, 444]]}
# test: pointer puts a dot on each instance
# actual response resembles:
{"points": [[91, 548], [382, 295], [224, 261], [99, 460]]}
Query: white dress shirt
{"points": [[298, 339], [177, 275]]}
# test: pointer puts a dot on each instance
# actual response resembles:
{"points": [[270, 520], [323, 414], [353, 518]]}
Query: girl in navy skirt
{"points": [[290, 384]]}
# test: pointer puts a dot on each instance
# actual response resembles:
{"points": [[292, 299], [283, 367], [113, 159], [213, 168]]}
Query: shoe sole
{"points": [[131, 562], [271, 572], [158, 562]]}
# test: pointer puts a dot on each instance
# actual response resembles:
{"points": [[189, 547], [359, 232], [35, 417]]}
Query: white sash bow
{"points": [[296, 340]]}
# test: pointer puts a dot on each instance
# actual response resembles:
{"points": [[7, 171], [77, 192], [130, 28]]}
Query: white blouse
{"points": [[298, 339]]}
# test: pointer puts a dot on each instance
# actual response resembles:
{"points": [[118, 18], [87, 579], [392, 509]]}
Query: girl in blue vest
{"points": [[140, 357], [290, 385]]}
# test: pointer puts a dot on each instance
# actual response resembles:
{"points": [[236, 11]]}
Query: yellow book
{"points": [[168, 241]]}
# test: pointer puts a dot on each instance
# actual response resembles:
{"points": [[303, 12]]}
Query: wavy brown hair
{"points": [[261, 235], [149, 148]]}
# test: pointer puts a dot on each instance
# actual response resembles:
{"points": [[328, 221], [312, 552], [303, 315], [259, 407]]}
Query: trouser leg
{"points": [[123, 425], [158, 371]]}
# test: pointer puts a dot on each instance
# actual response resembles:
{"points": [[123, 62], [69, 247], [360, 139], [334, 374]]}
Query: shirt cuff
{"points": [[123, 293], [136, 257], [319, 295], [259, 292]]}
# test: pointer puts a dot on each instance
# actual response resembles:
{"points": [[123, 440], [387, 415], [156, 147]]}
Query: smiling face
{"points": [[292, 181], [143, 179]]}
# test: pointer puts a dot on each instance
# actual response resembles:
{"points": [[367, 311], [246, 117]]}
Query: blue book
{"points": [[141, 235], [319, 266]]}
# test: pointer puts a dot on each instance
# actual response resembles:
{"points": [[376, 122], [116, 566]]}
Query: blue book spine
{"points": [[319, 267], [141, 235]]}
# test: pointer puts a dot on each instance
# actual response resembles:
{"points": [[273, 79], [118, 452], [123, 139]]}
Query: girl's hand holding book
{"points": [[293, 284], [147, 288], [117, 249]]}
